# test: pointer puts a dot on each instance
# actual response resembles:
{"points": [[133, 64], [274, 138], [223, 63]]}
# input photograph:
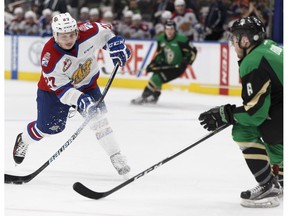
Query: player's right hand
{"points": [[86, 106], [119, 52], [217, 116]]}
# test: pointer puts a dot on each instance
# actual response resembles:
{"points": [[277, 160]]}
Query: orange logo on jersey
{"points": [[82, 71]]}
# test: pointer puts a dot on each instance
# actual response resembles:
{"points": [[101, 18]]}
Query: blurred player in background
{"points": [[69, 79], [258, 124], [174, 53]]}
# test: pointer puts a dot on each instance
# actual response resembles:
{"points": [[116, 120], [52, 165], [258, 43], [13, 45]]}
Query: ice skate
{"points": [[138, 101], [262, 196], [120, 164], [20, 149], [144, 100]]}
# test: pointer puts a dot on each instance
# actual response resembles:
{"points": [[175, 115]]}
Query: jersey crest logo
{"points": [[82, 72], [46, 59], [85, 26], [66, 64]]}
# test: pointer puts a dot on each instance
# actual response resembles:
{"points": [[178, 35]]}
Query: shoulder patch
{"points": [[46, 59], [85, 26]]}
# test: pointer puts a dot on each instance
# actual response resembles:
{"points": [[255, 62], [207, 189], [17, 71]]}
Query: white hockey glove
{"points": [[118, 50]]}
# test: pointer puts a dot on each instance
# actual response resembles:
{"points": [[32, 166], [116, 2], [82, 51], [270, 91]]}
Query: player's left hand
{"points": [[118, 50], [217, 116], [86, 105], [151, 67]]}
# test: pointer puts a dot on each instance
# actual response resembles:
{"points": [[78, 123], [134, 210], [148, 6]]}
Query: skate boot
{"points": [[278, 172], [20, 149], [120, 164], [138, 101], [262, 196], [147, 97]]}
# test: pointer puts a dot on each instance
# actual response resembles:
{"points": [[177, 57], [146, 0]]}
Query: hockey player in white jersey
{"points": [[69, 79]]}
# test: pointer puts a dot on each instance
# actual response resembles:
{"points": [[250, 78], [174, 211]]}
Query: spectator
{"points": [[159, 27], [133, 6], [215, 20], [56, 5], [73, 6], [126, 24], [104, 6], [94, 15], [16, 26], [194, 5], [8, 17], [84, 14], [138, 29], [184, 18], [45, 23], [108, 18], [30, 25], [118, 8], [160, 7], [37, 9], [257, 9]]}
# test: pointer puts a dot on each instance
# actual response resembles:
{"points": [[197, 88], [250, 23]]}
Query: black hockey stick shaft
{"points": [[86, 192], [24, 179]]}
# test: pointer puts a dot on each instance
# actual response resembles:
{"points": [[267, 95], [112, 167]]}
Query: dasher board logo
{"points": [[35, 52]]}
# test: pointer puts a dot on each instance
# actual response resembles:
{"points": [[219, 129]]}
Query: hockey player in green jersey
{"points": [[258, 124], [174, 53]]}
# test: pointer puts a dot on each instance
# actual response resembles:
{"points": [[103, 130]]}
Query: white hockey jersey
{"points": [[68, 74], [189, 18]]}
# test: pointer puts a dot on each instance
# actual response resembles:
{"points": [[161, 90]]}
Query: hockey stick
{"points": [[12, 179], [86, 192], [103, 69]]}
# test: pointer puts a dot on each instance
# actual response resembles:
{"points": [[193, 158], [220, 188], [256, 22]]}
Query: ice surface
{"points": [[206, 180]]}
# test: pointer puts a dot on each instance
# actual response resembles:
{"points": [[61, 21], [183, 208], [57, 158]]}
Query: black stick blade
{"points": [[86, 192], [11, 179]]}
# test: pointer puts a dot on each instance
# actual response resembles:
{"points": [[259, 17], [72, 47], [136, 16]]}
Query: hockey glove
{"points": [[86, 106], [118, 50], [217, 116], [151, 67]]}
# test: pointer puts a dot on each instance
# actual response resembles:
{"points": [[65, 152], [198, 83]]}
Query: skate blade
{"points": [[268, 202]]}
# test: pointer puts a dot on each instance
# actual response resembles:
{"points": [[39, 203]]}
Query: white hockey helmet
{"points": [[63, 23]]}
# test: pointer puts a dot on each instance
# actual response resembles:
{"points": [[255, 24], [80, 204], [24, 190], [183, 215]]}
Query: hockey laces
{"points": [[256, 189], [21, 150]]}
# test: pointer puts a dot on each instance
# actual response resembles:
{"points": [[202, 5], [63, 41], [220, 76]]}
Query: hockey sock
{"points": [[152, 89], [156, 81], [279, 172], [104, 135], [257, 160], [32, 134]]}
